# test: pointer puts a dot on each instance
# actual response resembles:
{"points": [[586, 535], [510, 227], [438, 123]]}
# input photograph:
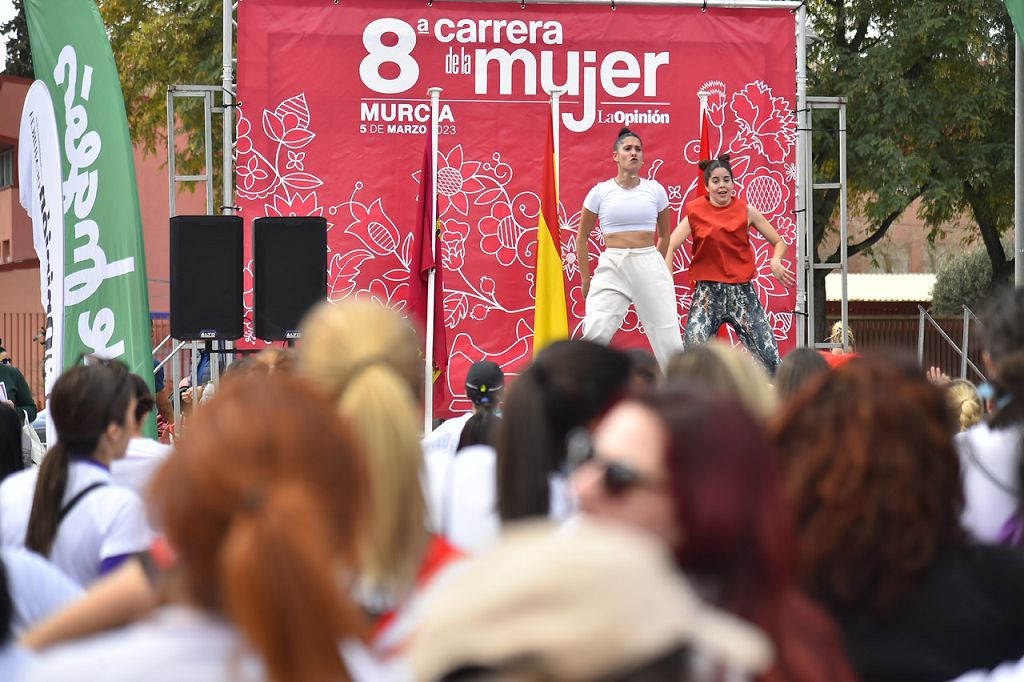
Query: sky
{"points": [[6, 12]]}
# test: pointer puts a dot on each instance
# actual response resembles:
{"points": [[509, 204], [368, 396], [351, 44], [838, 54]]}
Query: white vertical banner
{"points": [[41, 194]]}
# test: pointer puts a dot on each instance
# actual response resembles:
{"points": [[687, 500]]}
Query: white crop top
{"points": [[627, 210]]}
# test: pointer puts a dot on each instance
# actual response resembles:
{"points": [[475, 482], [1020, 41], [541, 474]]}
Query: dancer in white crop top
{"points": [[634, 215]]}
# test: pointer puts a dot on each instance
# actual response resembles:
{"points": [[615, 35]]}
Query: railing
{"points": [[962, 351]]}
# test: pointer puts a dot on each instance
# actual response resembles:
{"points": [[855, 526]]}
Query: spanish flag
{"points": [[550, 320]]}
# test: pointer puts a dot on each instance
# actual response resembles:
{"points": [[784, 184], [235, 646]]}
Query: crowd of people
{"points": [[591, 519]]}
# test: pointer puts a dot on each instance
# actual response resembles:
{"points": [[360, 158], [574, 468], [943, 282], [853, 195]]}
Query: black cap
{"points": [[484, 383]]}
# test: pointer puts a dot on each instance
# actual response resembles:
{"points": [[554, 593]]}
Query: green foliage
{"points": [[19, 56], [158, 43], [965, 280], [930, 106]]}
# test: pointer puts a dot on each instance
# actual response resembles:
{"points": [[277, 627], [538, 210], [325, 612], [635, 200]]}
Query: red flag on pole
{"points": [[425, 259]]}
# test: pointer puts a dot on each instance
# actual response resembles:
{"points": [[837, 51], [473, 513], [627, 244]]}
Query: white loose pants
{"points": [[640, 277]]}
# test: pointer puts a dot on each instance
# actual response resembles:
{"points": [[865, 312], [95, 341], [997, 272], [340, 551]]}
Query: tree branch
{"points": [[876, 236]]}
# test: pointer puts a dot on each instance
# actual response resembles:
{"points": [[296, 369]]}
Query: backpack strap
{"points": [[972, 455], [66, 509]]}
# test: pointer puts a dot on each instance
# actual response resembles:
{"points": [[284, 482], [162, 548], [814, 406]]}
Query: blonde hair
{"points": [[838, 332], [727, 371], [965, 402], [366, 358]]}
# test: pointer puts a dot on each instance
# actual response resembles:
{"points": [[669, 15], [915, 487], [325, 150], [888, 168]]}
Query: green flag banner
{"points": [[1016, 10], [106, 302]]}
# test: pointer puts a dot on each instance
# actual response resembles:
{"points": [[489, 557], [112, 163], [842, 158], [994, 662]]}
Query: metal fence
{"points": [[22, 336], [21, 333], [901, 333]]}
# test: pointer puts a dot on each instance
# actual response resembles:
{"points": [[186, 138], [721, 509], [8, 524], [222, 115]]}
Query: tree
{"points": [[15, 32], [965, 280], [158, 43], [929, 116]]}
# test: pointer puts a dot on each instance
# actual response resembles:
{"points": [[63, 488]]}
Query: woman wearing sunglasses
{"points": [[700, 475]]}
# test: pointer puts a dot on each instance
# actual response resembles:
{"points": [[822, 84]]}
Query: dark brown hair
{"points": [[797, 369], [874, 480], [85, 400], [710, 165], [264, 500], [143, 398], [568, 385], [623, 134]]}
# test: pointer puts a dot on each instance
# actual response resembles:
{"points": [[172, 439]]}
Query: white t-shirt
{"points": [[110, 521], [141, 460], [627, 210], [464, 497], [38, 589], [988, 459], [438, 447], [175, 644]]}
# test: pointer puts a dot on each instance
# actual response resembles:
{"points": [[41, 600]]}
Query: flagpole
{"points": [[428, 351], [1018, 163], [555, 127], [703, 97]]}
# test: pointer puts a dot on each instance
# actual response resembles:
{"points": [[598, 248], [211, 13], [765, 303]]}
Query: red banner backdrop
{"points": [[334, 114]]}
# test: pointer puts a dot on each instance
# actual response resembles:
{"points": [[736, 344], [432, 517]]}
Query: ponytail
{"points": [[525, 443], [275, 569], [44, 518]]}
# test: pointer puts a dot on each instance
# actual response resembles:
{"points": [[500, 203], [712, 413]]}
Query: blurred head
{"points": [[698, 473], [11, 459], [93, 411], [5, 357], [265, 500], [840, 333], [277, 359], [365, 357], [874, 480], [965, 402], [624, 476], [1003, 325], [797, 369], [570, 384], [564, 613], [644, 373], [485, 384], [721, 370], [144, 402]]}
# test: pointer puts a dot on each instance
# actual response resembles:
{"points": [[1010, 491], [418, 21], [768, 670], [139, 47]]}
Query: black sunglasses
{"points": [[5, 361], [617, 477]]}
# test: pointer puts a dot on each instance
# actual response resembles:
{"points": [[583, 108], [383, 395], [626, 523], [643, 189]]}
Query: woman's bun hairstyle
{"points": [[707, 166], [625, 132]]}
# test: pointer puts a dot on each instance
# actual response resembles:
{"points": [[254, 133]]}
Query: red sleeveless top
{"points": [[721, 245]]}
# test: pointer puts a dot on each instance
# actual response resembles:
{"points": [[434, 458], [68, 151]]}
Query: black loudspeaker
{"points": [[206, 277], [291, 273]]}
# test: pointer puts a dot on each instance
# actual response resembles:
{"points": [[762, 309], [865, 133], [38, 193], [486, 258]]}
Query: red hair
{"points": [[738, 533], [874, 479], [265, 500]]}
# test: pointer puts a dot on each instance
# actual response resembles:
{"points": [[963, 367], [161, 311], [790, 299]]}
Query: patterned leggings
{"points": [[715, 303]]}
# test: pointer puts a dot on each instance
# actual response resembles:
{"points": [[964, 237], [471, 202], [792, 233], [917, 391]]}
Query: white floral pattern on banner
{"points": [[485, 219]]}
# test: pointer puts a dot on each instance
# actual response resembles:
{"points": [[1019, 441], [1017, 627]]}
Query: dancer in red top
{"points": [[723, 267]]}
